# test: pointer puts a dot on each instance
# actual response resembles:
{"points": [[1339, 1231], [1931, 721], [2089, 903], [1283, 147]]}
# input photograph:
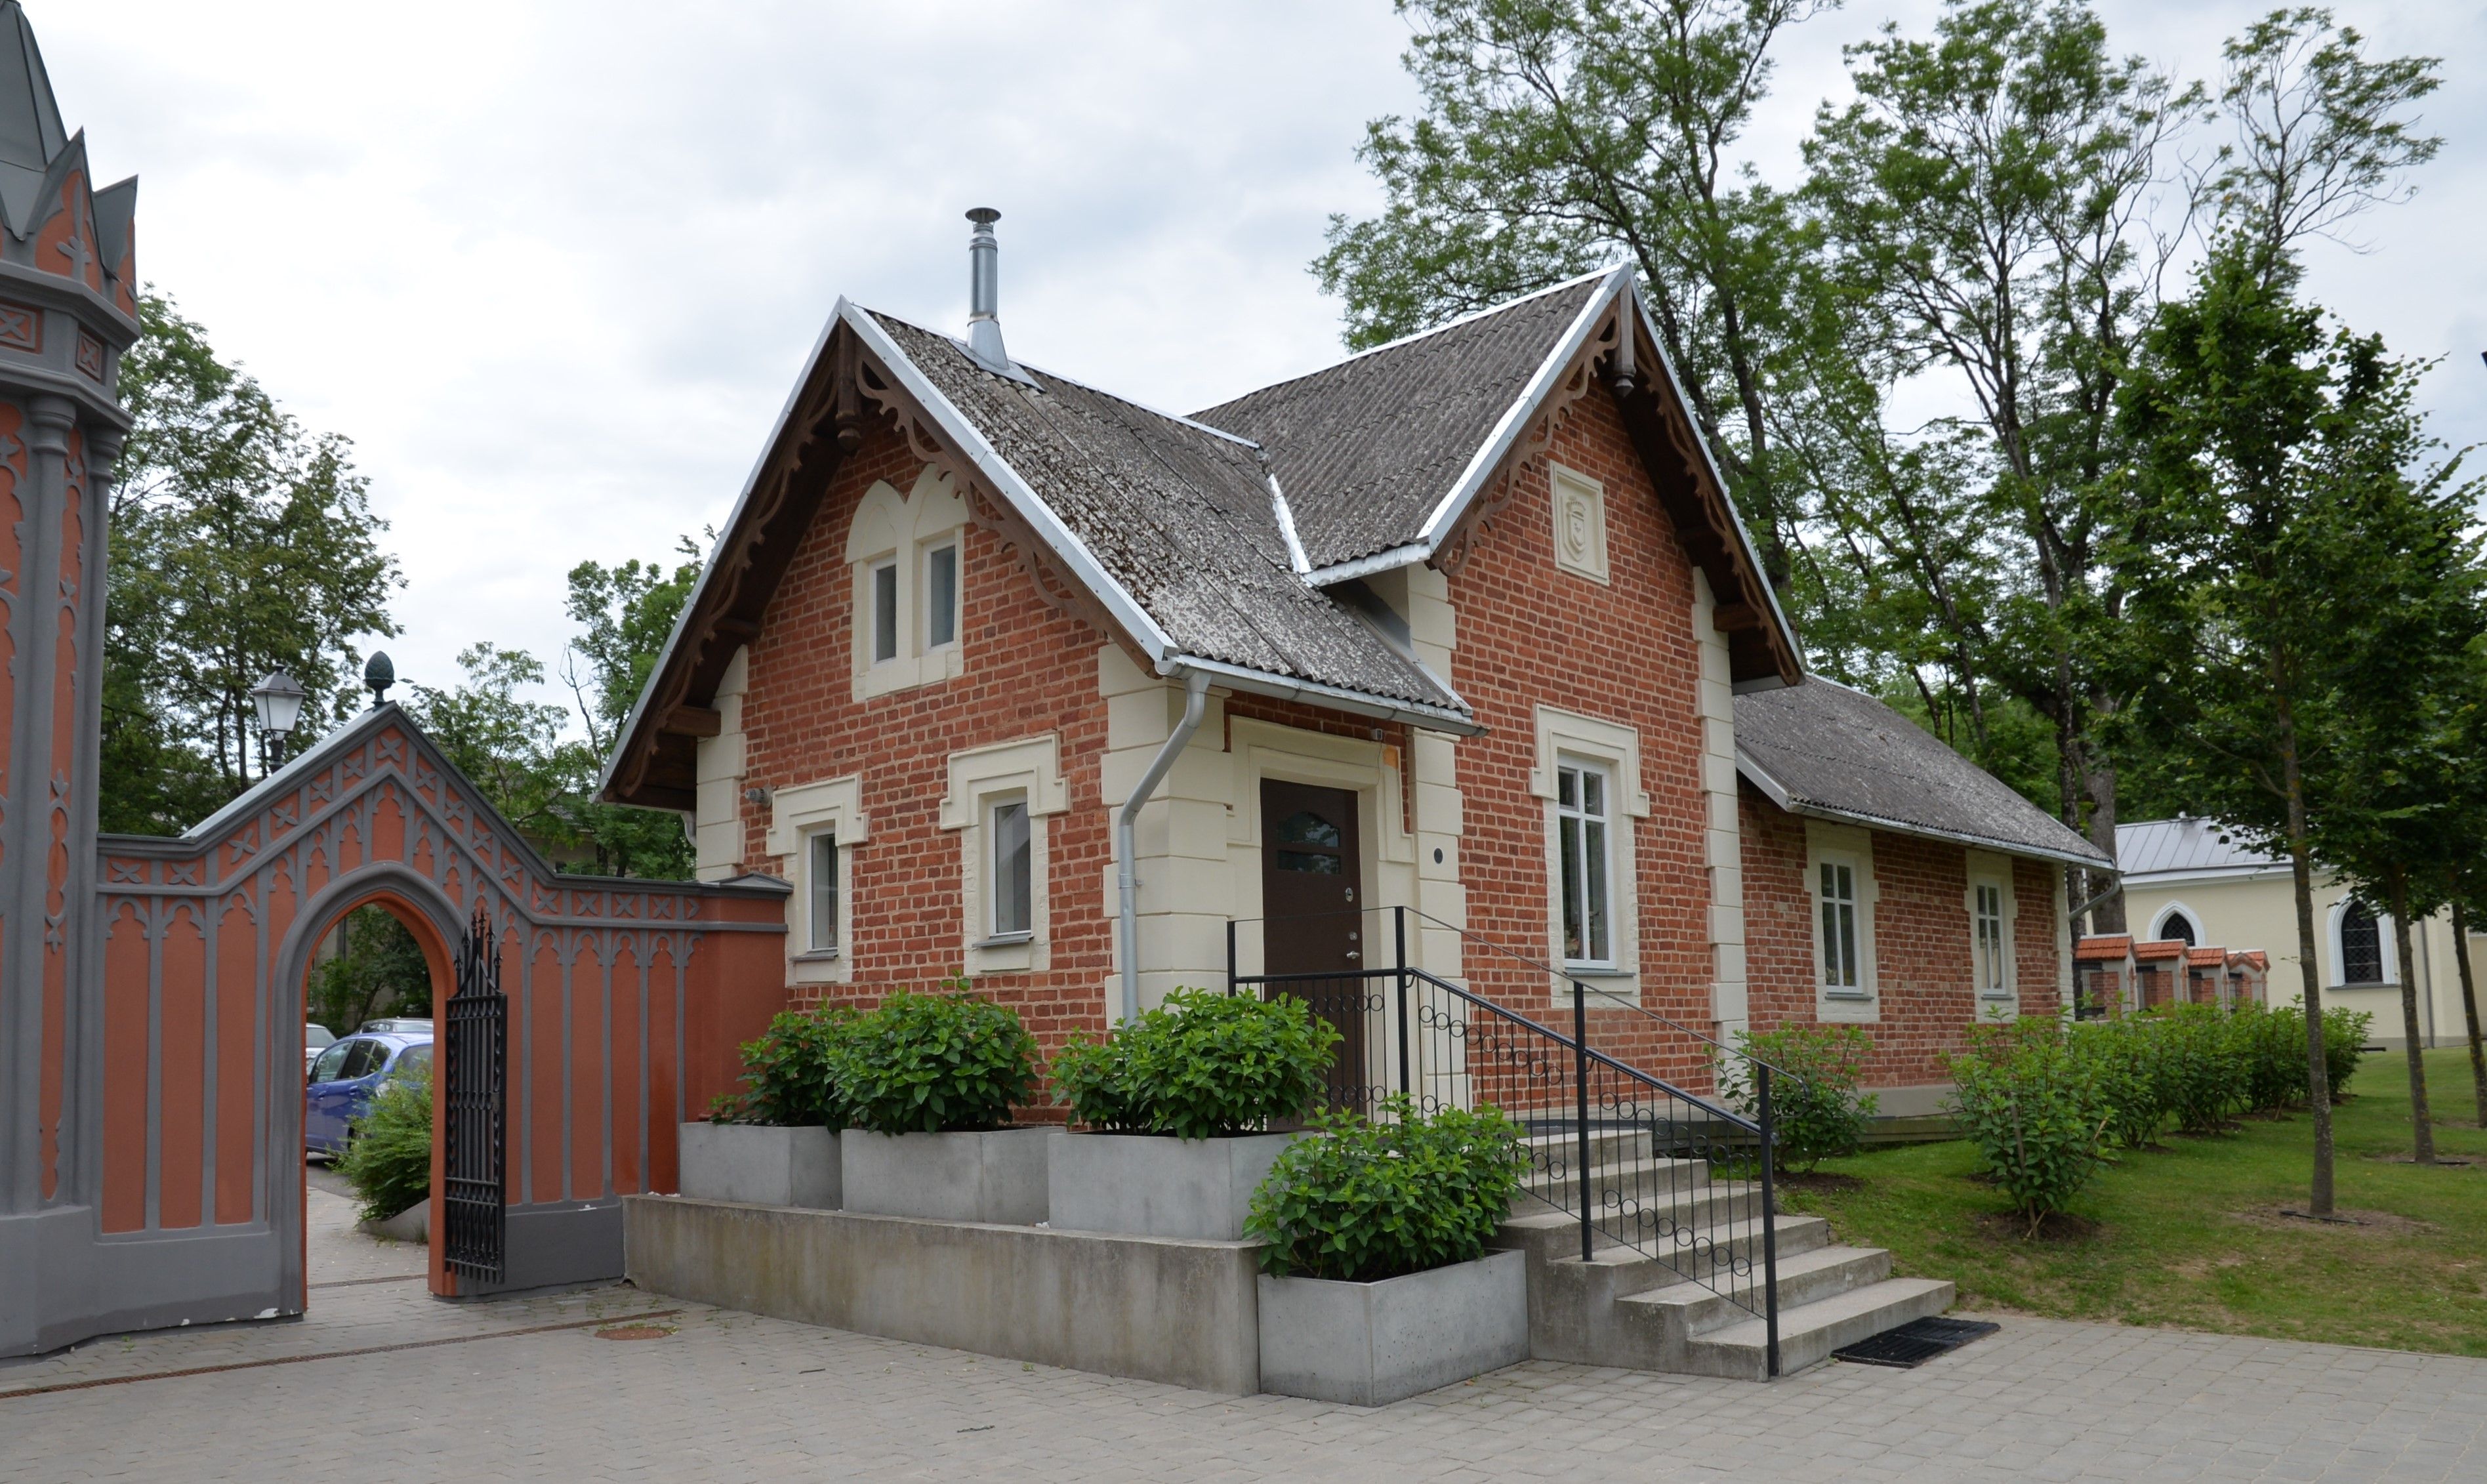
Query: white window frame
{"points": [[2338, 975], [993, 805], [1569, 737], [1836, 845], [1571, 817], [898, 533], [2192, 919], [813, 841], [925, 551], [796, 815], [1027, 769], [1993, 874]]}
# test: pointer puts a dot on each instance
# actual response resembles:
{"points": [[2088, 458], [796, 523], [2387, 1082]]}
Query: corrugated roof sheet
{"points": [[1366, 449], [1843, 751], [2183, 844], [1176, 515]]}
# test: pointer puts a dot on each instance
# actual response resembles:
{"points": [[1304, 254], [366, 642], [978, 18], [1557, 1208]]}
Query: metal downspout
{"points": [[1195, 698]]}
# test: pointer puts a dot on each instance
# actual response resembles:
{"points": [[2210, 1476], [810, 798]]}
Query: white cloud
{"points": [[553, 266]]}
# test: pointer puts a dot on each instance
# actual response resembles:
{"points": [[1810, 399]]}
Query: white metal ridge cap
{"points": [[1708, 460], [1507, 427], [1286, 517], [698, 585], [1006, 481]]}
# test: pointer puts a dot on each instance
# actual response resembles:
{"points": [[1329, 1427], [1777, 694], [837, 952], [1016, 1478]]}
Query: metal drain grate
{"points": [[1914, 1343]]}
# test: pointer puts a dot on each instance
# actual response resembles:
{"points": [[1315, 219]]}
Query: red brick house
{"points": [[1465, 624]]}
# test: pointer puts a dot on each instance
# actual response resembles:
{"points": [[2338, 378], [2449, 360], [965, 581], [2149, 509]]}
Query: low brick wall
{"points": [[1157, 1308]]}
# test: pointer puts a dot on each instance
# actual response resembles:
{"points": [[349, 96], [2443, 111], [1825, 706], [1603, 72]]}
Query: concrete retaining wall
{"points": [[1151, 1307]]}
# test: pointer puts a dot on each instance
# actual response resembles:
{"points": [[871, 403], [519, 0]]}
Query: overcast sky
{"points": [[554, 265]]}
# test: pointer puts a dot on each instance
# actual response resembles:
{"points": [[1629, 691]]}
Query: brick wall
{"points": [[1925, 990], [1529, 634], [1028, 670]]}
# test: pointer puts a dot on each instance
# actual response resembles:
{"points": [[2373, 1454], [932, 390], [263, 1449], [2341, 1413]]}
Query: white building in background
{"points": [[2195, 881]]}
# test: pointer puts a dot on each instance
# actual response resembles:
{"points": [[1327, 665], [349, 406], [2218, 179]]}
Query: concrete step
{"points": [[1668, 1224], [1690, 1310], [1606, 1145], [1573, 1313], [1638, 1179], [1809, 1333]]}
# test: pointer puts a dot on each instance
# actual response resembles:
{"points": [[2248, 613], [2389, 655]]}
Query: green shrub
{"points": [[2272, 1042], [931, 1063], [1817, 1113], [2122, 1060], [2344, 1046], [788, 1076], [2200, 1068], [1363, 1201], [388, 1161], [1201, 1065], [2031, 1102]]}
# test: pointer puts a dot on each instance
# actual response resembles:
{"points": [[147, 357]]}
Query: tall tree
{"points": [[240, 544], [625, 613], [1558, 136], [2264, 449]]}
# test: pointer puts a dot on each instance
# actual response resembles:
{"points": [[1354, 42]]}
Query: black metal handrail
{"points": [[1649, 1189]]}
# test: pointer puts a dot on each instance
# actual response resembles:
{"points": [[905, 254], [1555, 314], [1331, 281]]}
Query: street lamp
{"points": [[278, 700]]}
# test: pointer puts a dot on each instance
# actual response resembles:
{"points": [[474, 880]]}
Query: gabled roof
{"points": [[1184, 535], [2105, 948], [1367, 450], [1823, 749], [2163, 948], [1178, 517]]}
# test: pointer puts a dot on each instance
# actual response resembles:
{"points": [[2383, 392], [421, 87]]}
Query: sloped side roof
{"points": [[1818, 747], [2147, 847], [1366, 449], [1180, 516]]}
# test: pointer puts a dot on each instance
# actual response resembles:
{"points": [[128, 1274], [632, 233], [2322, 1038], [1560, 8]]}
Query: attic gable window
{"points": [[906, 553]]}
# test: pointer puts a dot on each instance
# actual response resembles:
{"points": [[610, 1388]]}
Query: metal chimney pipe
{"points": [[984, 293]]}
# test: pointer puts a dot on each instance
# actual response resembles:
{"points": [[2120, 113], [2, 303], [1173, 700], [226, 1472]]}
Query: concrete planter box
{"points": [[1367, 1344], [760, 1166], [996, 1177], [1158, 1186], [412, 1225]]}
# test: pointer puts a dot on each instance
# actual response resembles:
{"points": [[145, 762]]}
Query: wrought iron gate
{"points": [[474, 1125]]}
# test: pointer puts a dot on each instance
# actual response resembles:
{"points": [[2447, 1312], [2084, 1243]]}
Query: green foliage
{"points": [[1201, 1065], [2034, 1109], [377, 971], [790, 1072], [2121, 1057], [2271, 1044], [388, 1161], [2344, 1046], [240, 544], [2202, 1065], [1817, 1110], [625, 613], [1364, 1200], [932, 1063]]}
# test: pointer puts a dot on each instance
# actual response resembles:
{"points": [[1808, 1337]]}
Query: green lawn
{"points": [[2188, 1234]]}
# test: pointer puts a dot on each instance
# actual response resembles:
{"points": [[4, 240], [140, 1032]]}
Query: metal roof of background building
{"points": [[2185, 843], [1818, 747]]}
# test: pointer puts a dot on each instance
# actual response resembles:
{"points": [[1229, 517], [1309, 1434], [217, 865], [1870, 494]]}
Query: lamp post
{"points": [[278, 700]]}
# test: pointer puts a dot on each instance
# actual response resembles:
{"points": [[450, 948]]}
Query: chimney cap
{"points": [[984, 215]]}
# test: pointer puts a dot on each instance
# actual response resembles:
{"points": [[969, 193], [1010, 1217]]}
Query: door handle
{"points": [[1353, 956]]}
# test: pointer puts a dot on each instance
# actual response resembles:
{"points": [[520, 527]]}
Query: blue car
{"points": [[345, 1079]]}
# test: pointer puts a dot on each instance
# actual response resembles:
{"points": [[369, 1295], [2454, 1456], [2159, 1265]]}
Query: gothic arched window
{"points": [[2361, 945]]}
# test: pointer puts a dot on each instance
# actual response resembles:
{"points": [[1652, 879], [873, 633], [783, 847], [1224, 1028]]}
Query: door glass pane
{"points": [[1305, 827], [940, 596], [1011, 869], [884, 612], [330, 1061], [825, 891], [1309, 863], [364, 1060]]}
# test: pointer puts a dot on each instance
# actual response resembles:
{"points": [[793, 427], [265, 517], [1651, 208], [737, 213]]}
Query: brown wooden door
{"points": [[1313, 900]]}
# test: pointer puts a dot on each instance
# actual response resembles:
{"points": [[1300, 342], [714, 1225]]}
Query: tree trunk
{"points": [[2470, 1008], [2421, 1120], [2098, 779], [2302, 875]]}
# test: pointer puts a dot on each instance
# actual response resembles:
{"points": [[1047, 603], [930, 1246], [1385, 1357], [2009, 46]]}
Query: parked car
{"points": [[345, 1079], [402, 1026], [315, 1038]]}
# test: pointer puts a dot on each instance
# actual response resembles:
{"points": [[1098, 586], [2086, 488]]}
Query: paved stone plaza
{"points": [[527, 1390]]}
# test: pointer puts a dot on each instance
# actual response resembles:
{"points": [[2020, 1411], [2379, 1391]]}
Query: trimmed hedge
{"points": [[1201, 1065], [1363, 1200], [932, 1064]]}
